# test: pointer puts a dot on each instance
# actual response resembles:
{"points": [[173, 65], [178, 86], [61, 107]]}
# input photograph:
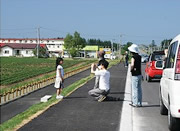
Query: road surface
{"points": [[79, 112]]}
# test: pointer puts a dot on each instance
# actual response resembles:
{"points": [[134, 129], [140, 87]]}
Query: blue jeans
{"points": [[126, 63], [136, 90]]}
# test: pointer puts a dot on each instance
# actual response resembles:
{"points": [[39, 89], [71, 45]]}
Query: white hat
{"points": [[133, 48]]}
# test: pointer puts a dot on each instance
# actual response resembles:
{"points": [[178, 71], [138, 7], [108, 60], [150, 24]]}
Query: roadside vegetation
{"points": [[16, 72]]}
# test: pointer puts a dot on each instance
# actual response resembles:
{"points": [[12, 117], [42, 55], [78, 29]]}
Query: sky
{"points": [[121, 21]]}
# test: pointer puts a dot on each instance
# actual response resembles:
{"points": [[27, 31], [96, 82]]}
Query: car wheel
{"points": [[148, 78], [173, 123], [163, 109]]}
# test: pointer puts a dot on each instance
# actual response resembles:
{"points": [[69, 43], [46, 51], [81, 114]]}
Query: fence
{"points": [[24, 90]]}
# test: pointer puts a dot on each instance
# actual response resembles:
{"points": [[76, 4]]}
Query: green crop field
{"points": [[18, 69]]}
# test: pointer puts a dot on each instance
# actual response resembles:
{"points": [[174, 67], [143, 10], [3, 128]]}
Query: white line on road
{"points": [[130, 119], [126, 115]]}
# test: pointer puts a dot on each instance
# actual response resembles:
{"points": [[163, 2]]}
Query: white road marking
{"points": [[126, 114], [130, 120]]}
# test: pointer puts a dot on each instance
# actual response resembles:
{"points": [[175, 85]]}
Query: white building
{"points": [[54, 46], [24, 50]]}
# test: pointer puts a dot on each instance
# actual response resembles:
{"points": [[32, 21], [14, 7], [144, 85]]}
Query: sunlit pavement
{"points": [[13, 108], [79, 112]]}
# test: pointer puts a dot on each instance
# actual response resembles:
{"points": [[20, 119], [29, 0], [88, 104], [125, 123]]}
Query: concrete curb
{"points": [[126, 121]]}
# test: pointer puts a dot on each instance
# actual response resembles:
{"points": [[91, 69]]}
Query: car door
{"points": [[168, 72], [148, 65]]}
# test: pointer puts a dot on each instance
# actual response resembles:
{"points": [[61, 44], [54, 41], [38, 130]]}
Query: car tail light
{"points": [[152, 64], [177, 69]]}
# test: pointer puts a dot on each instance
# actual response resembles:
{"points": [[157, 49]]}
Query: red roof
{"points": [[43, 45], [32, 38], [2, 44], [22, 46]]}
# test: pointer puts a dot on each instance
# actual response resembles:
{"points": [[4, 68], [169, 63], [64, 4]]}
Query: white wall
{"points": [[33, 41], [12, 52], [27, 52], [6, 49], [53, 45], [92, 54]]}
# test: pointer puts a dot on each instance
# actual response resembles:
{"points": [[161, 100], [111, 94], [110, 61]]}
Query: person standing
{"points": [[136, 76], [103, 90], [101, 57], [59, 78], [126, 59]]}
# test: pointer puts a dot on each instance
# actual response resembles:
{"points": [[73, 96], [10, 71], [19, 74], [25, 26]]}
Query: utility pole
{"points": [[38, 41], [120, 46], [112, 47]]}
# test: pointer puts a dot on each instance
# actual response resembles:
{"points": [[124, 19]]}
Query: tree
{"points": [[125, 47], [74, 43], [42, 52], [165, 43], [152, 46], [153, 43], [98, 42]]}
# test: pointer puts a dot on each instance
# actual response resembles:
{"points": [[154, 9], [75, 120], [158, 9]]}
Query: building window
{"points": [[27, 52], [58, 46], [6, 52], [49, 46]]}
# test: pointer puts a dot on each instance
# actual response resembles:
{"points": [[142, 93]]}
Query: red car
{"points": [[154, 66]]}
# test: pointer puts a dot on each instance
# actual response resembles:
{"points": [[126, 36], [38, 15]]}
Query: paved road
{"points": [[11, 109], [79, 112], [148, 118]]}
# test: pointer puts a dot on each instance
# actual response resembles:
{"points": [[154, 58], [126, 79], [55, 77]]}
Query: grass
{"points": [[15, 69], [69, 65], [35, 110]]}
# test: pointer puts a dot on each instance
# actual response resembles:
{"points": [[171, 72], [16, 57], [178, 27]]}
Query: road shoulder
{"points": [[126, 122]]}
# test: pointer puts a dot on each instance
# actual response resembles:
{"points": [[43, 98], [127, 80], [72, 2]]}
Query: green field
{"points": [[14, 69]]}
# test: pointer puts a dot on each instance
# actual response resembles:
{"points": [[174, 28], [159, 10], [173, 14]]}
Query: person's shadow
{"points": [[110, 98]]}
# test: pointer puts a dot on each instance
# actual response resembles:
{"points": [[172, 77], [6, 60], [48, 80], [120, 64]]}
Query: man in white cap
{"points": [[136, 76]]}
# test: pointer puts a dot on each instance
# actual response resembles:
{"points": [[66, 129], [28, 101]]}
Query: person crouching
{"points": [[103, 90]]}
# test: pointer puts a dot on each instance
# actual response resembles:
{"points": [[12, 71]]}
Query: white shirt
{"points": [[104, 79], [59, 68]]}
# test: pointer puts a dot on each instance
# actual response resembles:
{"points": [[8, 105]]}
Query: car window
{"points": [[171, 55], [158, 57]]}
